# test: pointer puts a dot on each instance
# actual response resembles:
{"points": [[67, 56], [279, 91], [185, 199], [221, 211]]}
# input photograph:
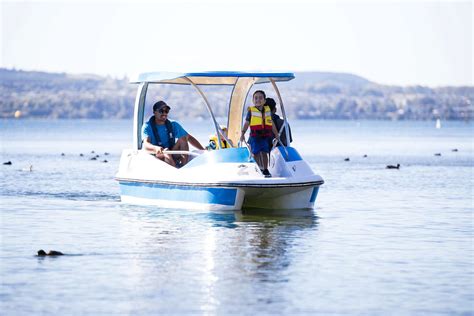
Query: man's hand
{"points": [[158, 151]]}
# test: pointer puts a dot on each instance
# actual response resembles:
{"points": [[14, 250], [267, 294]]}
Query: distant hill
{"points": [[329, 78], [60, 95], [311, 95]]}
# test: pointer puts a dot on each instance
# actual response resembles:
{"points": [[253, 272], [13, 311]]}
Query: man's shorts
{"points": [[259, 144]]}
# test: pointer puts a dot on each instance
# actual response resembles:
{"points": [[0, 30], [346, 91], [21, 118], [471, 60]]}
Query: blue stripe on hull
{"points": [[156, 191], [314, 194]]}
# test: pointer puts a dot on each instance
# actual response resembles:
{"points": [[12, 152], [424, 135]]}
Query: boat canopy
{"points": [[242, 82], [210, 78]]}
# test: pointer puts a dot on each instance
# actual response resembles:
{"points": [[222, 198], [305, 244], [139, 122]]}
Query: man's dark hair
{"points": [[158, 105], [271, 103]]}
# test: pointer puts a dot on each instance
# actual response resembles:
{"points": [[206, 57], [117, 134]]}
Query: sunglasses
{"points": [[163, 111]]}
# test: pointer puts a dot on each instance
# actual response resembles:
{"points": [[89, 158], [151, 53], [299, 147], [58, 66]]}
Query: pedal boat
{"points": [[217, 180]]}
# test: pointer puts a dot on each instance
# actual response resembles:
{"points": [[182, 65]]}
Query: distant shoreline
{"points": [[312, 95]]}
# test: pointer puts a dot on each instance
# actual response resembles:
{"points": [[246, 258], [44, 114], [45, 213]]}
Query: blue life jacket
{"points": [[169, 130]]}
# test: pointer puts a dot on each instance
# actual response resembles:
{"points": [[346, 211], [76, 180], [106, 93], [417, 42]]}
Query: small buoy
{"points": [[8, 163], [347, 159], [393, 167], [105, 160], [30, 168], [437, 154]]}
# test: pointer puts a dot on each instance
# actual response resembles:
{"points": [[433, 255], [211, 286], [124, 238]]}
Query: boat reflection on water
{"points": [[234, 219], [271, 241], [215, 256], [302, 217]]}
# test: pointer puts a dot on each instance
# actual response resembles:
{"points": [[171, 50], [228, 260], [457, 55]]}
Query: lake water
{"points": [[379, 241]]}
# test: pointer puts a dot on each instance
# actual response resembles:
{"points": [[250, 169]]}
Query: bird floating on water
{"points": [[8, 163], [393, 167], [42, 253], [454, 149], [347, 159], [437, 154]]}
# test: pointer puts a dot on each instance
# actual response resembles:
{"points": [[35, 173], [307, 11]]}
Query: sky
{"points": [[388, 42]]}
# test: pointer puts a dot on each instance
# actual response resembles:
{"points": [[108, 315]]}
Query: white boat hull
{"points": [[281, 198], [218, 181]]}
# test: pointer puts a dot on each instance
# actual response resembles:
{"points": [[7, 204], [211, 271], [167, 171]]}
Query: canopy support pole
{"points": [[216, 125], [287, 132], [138, 114], [236, 107]]}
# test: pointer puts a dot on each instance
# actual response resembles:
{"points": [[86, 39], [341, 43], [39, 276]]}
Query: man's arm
{"points": [[193, 141], [155, 150]]}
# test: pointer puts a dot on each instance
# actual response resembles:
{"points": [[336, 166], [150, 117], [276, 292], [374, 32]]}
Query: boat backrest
{"points": [[229, 155]]}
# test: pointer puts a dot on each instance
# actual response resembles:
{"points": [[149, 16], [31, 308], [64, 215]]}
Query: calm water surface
{"points": [[379, 241]]}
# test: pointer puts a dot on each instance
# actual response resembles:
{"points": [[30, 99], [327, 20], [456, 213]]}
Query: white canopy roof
{"points": [[209, 78]]}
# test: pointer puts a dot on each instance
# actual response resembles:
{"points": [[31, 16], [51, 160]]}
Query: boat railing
{"points": [[184, 152], [248, 148], [278, 140]]}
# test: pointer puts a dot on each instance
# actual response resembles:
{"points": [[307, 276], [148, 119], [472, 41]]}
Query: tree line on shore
{"points": [[312, 95]]}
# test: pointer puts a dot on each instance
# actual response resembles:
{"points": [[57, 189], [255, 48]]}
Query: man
{"points": [[278, 121], [159, 135]]}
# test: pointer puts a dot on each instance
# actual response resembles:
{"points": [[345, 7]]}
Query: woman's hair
{"points": [[271, 103], [260, 91]]}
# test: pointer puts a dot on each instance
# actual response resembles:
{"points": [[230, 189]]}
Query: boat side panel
{"points": [[222, 196], [281, 198]]}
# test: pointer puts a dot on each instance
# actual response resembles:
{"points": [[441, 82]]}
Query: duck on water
{"points": [[42, 253]]}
